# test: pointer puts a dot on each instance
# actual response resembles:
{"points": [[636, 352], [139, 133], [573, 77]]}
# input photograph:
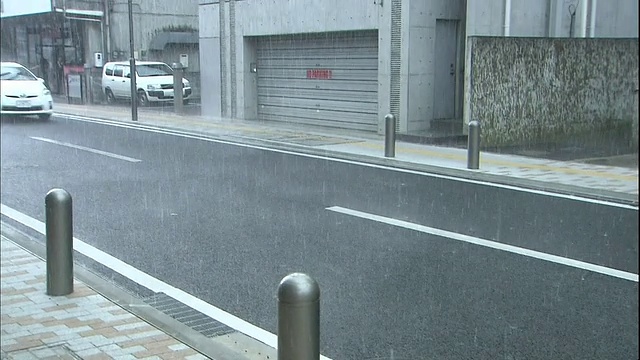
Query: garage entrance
{"points": [[328, 79]]}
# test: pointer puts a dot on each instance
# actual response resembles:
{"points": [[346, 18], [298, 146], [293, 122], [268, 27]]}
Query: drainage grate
{"points": [[188, 316]]}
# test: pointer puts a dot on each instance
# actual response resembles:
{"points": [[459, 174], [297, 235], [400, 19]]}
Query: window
{"points": [[109, 70], [117, 71], [16, 73], [154, 70]]}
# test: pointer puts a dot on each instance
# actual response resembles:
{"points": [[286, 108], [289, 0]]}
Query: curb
{"points": [[235, 346], [571, 190]]}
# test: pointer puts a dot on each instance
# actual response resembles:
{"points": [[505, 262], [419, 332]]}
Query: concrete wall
{"points": [[552, 18], [149, 17], [210, 60], [79, 4], [172, 53], [250, 80], [93, 41], [420, 57], [524, 90], [269, 17], [617, 21], [486, 18]]}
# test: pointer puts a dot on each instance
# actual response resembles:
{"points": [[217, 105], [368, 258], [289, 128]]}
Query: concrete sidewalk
{"points": [[96, 321], [569, 177]]}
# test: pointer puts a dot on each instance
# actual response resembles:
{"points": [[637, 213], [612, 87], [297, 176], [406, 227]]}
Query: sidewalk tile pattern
{"points": [[82, 325]]}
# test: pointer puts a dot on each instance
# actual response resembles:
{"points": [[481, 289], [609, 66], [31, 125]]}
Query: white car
{"points": [[23, 93], [154, 82]]}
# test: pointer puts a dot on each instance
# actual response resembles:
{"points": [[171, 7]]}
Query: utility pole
{"points": [[132, 67]]}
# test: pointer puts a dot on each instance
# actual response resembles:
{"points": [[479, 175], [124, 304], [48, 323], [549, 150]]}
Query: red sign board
{"points": [[73, 69], [322, 74]]}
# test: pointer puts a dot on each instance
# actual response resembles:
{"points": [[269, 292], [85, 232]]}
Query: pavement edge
{"points": [[478, 175], [235, 346]]}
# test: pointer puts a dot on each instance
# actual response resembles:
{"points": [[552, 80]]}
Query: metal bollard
{"points": [[390, 136], [298, 318], [177, 88], [473, 145], [59, 233], [86, 86]]}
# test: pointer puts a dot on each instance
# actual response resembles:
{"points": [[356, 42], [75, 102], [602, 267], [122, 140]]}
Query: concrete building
{"points": [[553, 18], [69, 34], [339, 63], [347, 63], [163, 31]]}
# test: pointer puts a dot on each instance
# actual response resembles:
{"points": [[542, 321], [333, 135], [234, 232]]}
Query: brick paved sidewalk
{"points": [[82, 325]]}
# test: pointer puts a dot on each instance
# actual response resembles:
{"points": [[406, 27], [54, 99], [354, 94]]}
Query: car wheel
{"points": [[110, 97], [143, 100], [44, 116]]}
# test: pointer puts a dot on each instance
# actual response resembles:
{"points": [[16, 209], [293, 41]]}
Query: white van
{"points": [[154, 81]]}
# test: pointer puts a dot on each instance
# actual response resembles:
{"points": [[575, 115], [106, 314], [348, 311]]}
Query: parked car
{"points": [[154, 82], [23, 93]]}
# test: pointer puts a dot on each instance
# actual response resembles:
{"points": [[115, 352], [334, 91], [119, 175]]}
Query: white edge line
{"points": [[79, 147], [148, 281], [490, 244], [152, 283], [345, 161]]}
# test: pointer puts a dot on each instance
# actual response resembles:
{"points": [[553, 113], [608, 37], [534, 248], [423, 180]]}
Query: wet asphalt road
{"points": [[226, 223]]}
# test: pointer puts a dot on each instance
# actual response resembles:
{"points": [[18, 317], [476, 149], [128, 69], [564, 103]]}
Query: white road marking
{"points": [[190, 135], [79, 147], [490, 244], [152, 283]]}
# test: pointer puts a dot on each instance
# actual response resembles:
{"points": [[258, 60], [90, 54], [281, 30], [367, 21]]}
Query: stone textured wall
{"points": [[526, 90]]}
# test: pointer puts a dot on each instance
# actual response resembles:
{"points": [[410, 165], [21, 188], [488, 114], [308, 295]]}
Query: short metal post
{"points": [[177, 87], [390, 136], [298, 318], [88, 96], [473, 147], [59, 233]]}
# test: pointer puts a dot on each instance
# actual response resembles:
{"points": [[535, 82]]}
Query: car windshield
{"points": [[153, 70], [15, 73]]}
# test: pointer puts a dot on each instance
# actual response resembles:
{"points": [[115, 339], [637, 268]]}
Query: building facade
{"points": [[70, 34], [49, 39], [347, 63], [553, 18], [163, 30], [569, 67], [338, 63]]}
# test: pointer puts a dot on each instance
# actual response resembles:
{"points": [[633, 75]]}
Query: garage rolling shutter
{"points": [[328, 79]]}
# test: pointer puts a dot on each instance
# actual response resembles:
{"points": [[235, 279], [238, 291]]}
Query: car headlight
{"points": [[46, 92], [153, 87]]}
